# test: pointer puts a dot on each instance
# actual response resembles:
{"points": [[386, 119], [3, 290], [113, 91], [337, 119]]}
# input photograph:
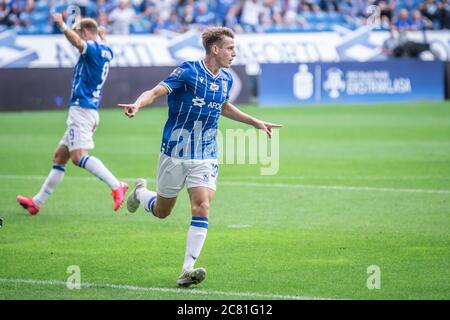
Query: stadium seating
{"points": [[39, 21]]}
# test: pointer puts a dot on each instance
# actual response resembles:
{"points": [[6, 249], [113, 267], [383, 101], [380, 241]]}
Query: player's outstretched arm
{"points": [[233, 113], [71, 35], [145, 99]]}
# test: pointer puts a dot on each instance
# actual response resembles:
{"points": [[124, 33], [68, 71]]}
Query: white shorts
{"points": [[173, 173], [81, 125]]}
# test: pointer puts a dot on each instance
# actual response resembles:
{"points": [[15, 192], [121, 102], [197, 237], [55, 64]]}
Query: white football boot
{"points": [[132, 200], [194, 276]]}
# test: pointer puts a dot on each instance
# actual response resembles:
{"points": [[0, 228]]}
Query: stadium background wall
{"points": [[49, 88]]}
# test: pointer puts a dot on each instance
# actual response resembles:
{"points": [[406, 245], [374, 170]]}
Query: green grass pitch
{"points": [[357, 186]]}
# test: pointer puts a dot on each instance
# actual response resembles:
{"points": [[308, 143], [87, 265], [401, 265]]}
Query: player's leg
{"points": [[200, 198], [170, 180], [201, 184], [95, 166], [53, 179], [82, 124], [159, 206]]}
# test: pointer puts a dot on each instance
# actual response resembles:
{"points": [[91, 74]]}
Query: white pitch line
{"points": [[336, 188], [347, 177], [239, 226], [264, 185], [23, 177], [169, 290]]}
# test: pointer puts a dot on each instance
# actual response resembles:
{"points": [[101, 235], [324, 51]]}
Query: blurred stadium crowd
{"points": [[243, 16]]}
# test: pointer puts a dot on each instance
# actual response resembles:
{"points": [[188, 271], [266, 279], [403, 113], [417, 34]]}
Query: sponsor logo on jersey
{"points": [[214, 87], [199, 102]]}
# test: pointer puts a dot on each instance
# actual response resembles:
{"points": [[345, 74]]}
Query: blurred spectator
{"points": [[173, 23], [419, 22], [104, 6], [385, 23], [250, 15], [221, 8], [164, 7], [147, 8], [188, 15], [202, 15], [158, 24], [355, 11], [5, 12], [430, 10], [20, 12], [386, 8], [403, 22], [273, 10], [410, 5], [329, 5], [231, 20], [122, 17], [103, 20], [444, 14]]}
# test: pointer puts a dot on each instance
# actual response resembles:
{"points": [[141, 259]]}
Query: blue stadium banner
{"points": [[351, 82]]}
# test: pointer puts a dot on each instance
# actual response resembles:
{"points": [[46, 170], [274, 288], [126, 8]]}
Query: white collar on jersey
{"points": [[203, 65]]}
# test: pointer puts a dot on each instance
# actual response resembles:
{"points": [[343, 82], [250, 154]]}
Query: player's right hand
{"points": [[130, 110]]}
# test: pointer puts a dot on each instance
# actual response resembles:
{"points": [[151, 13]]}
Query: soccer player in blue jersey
{"points": [[89, 76], [198, 94]]}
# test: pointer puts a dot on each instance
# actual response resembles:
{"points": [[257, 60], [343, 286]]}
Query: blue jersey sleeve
{"points": [[230, 83], [177, 78]]}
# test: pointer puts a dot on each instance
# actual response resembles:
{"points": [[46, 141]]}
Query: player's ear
{"points": [[215, 49]]}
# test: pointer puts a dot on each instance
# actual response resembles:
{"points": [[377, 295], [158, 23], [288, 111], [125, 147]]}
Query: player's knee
{"points": [[58, 158], [75, 159], [161, 212], [200, 209]]}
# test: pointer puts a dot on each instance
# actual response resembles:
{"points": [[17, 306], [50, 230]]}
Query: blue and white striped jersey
{"points": [[195, 102], [90, 74]]}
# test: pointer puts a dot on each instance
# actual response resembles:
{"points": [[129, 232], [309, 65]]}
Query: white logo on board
{"points": [[334, 83], [303, 83]]}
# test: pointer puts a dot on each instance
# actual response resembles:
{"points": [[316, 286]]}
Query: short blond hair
{"points": [[215, 35], [88, 24]]}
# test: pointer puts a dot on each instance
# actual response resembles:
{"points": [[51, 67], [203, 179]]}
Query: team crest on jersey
{"points": [[214, 87], [224, 87], [106, 54]]}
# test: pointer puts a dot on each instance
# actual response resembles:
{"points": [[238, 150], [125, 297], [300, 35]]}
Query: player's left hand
{"points": [[129, 109], [58, 19], [102, 32], [267, 127]]}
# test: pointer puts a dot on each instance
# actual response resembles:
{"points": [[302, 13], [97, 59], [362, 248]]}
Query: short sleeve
{"points": [[177, 78], [230, 83]]}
